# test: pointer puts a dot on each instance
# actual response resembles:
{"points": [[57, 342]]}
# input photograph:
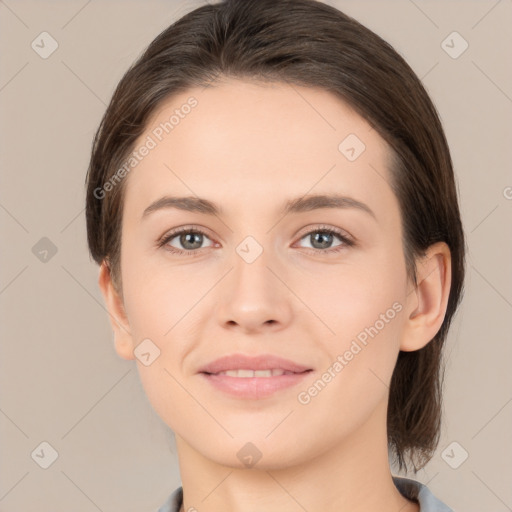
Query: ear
{"points": [[426, 303], [122, 336]]}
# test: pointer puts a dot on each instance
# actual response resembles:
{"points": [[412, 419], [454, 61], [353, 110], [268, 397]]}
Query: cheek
{"points": [[353, 298], [363, 306], [160, 308], [361, 356], [158, 293]]}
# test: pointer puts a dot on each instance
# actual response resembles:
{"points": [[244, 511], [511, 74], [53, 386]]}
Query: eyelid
{"points": [[324, 227], [170, 234]]}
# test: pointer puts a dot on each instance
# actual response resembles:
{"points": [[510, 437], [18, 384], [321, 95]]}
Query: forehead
{"points": [[243, 142]]}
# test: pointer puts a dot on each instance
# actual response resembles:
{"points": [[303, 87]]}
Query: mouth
{"points": [[245, 373], [247, 366], [253, 385], [253, 378]]}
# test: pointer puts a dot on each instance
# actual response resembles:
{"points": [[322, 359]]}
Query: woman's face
{"points": [[265, 278]]}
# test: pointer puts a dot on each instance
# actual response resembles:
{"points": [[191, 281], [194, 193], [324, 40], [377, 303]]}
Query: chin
{"points": [[256, 452]]}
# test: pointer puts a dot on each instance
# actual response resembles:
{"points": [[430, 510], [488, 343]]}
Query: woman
{"points": [[272, 204]]}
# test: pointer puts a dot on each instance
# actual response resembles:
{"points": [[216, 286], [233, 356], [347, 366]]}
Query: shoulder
{"points": [[173, 502], [414, 490]]}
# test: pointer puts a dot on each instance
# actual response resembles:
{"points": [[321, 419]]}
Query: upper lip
{"points": [[243, 362]]}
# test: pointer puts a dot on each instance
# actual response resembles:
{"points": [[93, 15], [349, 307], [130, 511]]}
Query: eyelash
{"points": [[346, 241]]}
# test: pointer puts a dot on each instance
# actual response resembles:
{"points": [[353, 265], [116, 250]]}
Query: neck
{"points": [[352, 476]]}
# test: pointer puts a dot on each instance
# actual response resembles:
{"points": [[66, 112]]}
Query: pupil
{"points": [[326, 239], [189, 237]]}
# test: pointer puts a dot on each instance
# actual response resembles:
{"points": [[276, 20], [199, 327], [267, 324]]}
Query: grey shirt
{"points": [[411, 489]]}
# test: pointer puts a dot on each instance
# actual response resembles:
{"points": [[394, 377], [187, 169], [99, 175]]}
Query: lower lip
{"points": [[254, 387]]}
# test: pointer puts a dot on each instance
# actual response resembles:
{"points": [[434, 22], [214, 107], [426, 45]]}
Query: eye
{"points": [[322, 237], [188, 241], [185, 240]]}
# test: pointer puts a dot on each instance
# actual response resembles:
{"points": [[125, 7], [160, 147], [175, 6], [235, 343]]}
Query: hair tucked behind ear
{"points": [[307, 43]]}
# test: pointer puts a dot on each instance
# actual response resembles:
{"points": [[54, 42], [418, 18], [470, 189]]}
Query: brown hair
{"points": [[307, 43]]}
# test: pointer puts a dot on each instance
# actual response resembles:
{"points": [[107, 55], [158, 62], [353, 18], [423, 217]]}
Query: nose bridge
{"points": [[255, 296], [251, 261]]}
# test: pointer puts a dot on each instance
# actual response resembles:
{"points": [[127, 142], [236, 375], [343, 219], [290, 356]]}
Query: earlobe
{"points": [[122, 336], [427, 303]]}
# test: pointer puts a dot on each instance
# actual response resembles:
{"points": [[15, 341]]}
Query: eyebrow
{"points": [[297, 205]]}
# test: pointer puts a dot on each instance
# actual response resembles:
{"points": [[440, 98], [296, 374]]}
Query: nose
{"points": [[254, 296]]}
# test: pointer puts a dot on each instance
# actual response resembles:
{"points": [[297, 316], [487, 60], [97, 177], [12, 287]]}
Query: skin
{"points": [[249, 147]]}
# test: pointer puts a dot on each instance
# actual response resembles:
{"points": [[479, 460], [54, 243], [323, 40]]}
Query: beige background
{"points": [[61, 380]]}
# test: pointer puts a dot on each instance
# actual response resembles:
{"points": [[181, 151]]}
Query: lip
{"points": [[261, 362], [253, 387]]}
